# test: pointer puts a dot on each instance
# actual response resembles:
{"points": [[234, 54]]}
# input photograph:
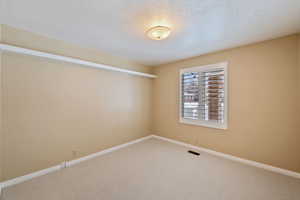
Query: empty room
{"points": [[150, 100]]}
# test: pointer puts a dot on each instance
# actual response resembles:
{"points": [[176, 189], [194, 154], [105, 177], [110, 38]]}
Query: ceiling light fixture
{"points": [[159, 32]]}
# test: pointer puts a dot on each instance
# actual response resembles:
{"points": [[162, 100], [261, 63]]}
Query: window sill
{"points": [[204, 124]]}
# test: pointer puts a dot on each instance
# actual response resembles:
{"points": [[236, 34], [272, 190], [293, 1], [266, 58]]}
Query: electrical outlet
{"points": [[74, 153]]}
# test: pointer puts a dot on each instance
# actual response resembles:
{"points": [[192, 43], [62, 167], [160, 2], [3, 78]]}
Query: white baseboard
{"points": [[234, 158], [65, 164], [26, 177], [91, 156]]}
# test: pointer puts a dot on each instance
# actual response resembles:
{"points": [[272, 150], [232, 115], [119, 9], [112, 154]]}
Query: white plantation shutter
{"points": [[190, 95], [203, 96]]}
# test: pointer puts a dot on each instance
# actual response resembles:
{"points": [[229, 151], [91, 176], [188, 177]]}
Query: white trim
{"points": [[19, 50], [21, 179], [203, 123], [209, 124], [234, 158], [66, 164], [91, 156]]}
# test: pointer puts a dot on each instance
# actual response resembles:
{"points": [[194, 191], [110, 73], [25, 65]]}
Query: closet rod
{"points": [[19, 50]]}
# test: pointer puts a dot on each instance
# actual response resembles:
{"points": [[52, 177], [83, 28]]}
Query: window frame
{"points": [[198, 122]]}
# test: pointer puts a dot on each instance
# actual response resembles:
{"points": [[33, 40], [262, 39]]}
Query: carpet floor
{"points": [[157, 170]]}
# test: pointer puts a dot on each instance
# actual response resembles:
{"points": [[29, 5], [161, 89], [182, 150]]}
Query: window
{"points": [[203, 95]]}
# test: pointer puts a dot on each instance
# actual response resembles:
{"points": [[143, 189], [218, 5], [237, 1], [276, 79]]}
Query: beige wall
{"points": [[54, 111], [299, 69], [34, 41], [299, 74], [1, 132], [263, 118], [51, 109]]}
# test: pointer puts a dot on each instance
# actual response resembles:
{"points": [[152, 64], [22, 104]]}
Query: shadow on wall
{"points": [[263, 104], [55, 111]]}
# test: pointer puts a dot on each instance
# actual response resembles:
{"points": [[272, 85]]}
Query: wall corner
{"points": [[1, 130]]}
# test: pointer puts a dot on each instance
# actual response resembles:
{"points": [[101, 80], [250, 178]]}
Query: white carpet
{"points": [[157, 170]]}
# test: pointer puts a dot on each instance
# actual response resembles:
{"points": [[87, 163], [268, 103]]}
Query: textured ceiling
{"points": [[118, 26]]}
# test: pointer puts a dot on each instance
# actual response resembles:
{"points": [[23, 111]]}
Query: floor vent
{"points": [[194, 152]]}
